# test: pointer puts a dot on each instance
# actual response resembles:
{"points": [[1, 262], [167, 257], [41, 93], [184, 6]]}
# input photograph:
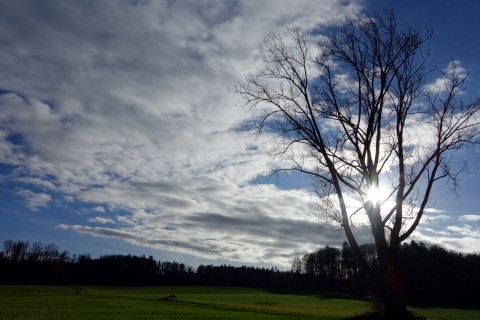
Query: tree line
{"points": [[22, 262], [433, 275]]}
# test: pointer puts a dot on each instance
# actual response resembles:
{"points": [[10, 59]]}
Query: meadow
{"points": [[128, 303]]}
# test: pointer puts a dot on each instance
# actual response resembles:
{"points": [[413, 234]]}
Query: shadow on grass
{"points": [[380, 316], [322, 295]]}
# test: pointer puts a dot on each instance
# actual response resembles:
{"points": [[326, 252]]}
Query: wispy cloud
{"points": [[463, 238], [99, 209], [434, 210], [465, 230], [470, 217], [442, 84], [101, 220], [244, 223], [34, 200]]}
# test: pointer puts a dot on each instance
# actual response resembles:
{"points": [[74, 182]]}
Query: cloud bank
{"points": [[123, 107]]}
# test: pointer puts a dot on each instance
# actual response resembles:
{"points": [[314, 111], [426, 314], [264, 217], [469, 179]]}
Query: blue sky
{"points": [[118, 133]]}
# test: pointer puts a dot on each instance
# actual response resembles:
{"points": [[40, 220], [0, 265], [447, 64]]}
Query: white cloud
{"points": [[470, 217], [99, 209], [442, 84], [459, 238], [461, 244], [434, 210], [101, 220], [465, 230], [34, 200], [439, 232], [428, 219]]}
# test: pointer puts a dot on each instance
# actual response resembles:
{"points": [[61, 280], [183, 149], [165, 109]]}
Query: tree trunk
{"points": [[391, 277], [392, 286]]}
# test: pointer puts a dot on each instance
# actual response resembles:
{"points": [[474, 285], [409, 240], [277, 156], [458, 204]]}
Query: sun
{"points": [[374, 195]]}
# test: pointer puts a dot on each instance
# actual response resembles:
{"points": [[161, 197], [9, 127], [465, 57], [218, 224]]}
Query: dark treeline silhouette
{"points": [[22, 262], [433, 275]]}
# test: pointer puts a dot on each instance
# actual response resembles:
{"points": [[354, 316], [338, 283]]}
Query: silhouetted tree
{"points": [[296, 265], [348, 108], [348, 261]]}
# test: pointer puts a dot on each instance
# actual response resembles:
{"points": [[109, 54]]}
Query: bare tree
{"points": [[355, 111]]}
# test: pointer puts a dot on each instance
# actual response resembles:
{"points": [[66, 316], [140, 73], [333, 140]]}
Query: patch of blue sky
{"points": [[290, 180]]}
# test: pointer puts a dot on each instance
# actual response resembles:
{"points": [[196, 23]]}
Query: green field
{"points": [[48, 302]]}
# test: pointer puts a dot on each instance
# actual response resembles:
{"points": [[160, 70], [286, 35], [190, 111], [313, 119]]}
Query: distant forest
{"points": [[433, 275]]}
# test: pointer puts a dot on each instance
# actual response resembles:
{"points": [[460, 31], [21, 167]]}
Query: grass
{"points": [[48, 302]]}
